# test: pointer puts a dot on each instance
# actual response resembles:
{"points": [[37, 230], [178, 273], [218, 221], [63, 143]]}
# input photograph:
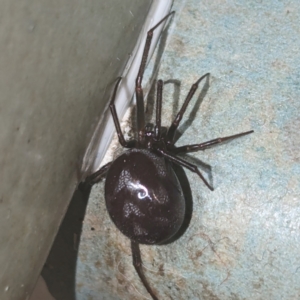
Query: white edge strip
{"points": [[158, 10]]}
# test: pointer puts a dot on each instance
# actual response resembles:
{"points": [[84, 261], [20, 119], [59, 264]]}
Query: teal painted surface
{"points": [[243, 240]]}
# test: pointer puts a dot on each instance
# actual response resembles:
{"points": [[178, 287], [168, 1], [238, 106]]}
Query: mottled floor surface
{"points": [[243, 238]]}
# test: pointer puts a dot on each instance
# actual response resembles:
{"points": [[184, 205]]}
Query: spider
{"points": [[143, 195]]}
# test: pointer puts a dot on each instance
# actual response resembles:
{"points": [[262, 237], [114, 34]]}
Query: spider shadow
{"points": [[189, 120], [59, 270], [152, 78]]}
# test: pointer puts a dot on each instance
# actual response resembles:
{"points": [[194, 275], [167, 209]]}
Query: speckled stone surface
{"points": [[243, 239]]}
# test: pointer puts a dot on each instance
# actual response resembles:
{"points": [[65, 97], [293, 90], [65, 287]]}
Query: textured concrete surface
{"points": [[56, 65], [243, 239]]}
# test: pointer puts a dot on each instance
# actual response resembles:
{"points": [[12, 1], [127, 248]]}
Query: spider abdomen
{"points": [[144, 197]]}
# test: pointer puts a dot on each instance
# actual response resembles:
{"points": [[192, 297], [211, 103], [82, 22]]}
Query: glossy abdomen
{"points": [[144, 197]]}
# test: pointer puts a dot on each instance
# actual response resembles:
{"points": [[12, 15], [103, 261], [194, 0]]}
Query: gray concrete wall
{"points": [[58, 62]]}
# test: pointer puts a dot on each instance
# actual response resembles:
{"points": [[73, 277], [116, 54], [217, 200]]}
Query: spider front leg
{"points": [[179, 161], [96, 177], [158, 109], [205, 145], [178, 118], [122, 141], [139, 79]]}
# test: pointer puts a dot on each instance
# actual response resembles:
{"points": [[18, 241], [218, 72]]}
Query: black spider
{"points": [[142, 192]]}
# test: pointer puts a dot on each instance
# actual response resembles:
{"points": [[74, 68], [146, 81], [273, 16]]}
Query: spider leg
{"points": [[184, 163], [205, 145], [96, 177], [122, 141], [158, 109], [138, 82], [175, 123], [137, 263]]}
